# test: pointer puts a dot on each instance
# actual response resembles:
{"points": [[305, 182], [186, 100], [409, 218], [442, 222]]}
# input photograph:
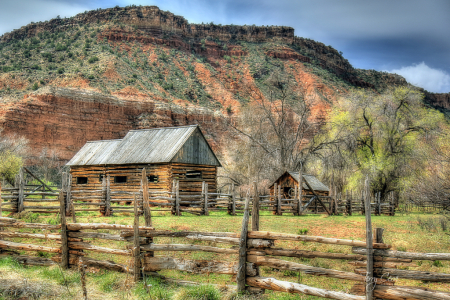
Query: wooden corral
{"points": [[167, 154], [289, 180]]}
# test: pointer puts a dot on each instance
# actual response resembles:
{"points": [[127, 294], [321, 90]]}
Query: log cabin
{"points": [[289, 179], [170, 153]]}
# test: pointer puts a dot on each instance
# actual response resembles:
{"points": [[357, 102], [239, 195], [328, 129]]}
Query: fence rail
{"points": [[236, 254], [41, 199]]}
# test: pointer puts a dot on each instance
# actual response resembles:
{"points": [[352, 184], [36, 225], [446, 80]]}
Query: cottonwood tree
{"points": [[275, 132], [12, 151], [382, 136]]}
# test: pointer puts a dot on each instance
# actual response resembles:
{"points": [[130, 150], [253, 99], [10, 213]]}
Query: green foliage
{"points": [[61, 70], [437, 263], [10, 164], [35, 86], [93, 59], [303, 231]]}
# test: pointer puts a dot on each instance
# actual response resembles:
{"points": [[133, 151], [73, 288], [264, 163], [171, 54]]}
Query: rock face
{"points": [[438, 100], [62, 119]]}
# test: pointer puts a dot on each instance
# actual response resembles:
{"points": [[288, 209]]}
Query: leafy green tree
{"points": [[12, 151], [381, 136]]}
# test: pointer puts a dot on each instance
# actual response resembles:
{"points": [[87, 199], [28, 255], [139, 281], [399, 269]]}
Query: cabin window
{"points": [[193, 175], [152, 178], [120, 179], [81, 180], [100, 177]]}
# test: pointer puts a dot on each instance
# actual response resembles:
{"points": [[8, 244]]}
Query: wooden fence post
{"points": [[369, 244], [108, 211], [205, 209], [350, 203], [137, 246], [64, 239], [145, 205], [0, 200], [233, 200], [69, 203], [177, 198], [255, 209], [103, 208], [240, 278], [279, 211], [21, 186], [379, 203], [300, 193]]}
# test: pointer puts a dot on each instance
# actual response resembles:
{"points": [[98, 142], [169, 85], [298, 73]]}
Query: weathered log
{"points": [[309, 254], [7, 220], [186, 247], [164, 233], [83, 226], [307, 238], [31, 225], [241, 273], [29, 235], [402, 292], [382, 264], [96, 235], [193, 266], [87, 246], [407, 255], [409, 274], [287, 265], [27, 247], [290, 287], [108, 265]]}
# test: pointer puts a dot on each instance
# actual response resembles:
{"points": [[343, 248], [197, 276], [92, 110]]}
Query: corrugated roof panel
{"points": [[312, 180], [94, 153], [157, 145]]}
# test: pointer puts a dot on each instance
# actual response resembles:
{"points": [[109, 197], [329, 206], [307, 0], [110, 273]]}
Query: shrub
{"points": [[437, 263], [90, 77], [61, 70], [93, 59], [302, 231], [35, 86]]}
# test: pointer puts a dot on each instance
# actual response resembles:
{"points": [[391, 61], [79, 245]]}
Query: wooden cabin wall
{"points": [[166, 174], [132, 172], [194, 186]]}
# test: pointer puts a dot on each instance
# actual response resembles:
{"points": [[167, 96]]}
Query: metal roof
{"points": [[312, 180], [158, 145]]}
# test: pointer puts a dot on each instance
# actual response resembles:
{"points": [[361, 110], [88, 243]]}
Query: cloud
{"points": [[433, 80]]}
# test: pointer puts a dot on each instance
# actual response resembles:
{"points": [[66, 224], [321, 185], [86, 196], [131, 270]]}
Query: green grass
{"points": [[404, 232]]}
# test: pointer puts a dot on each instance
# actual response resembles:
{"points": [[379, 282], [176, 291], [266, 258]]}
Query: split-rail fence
{"points": [[377, 265], [43, 199]]}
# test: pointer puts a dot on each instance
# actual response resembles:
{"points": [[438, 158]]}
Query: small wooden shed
{"points": [[289, 179], [169, 153]]}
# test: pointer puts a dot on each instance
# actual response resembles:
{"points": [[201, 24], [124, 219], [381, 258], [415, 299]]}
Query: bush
{"points": [[35, 86], [93, 59], [61, 70]]}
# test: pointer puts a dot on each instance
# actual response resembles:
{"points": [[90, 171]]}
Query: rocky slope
{"points": [[101, 73]]}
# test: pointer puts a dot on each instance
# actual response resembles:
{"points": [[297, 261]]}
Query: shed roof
{"points": [[158, 145], [312, 180]]}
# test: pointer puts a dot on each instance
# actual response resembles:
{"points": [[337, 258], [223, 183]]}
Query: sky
{"points": [[407, 37]]}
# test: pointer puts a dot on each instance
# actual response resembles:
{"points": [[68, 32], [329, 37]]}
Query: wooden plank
{"points": [[309, 254], [318, 197], [145, 199], [40, 181], [96, 235], [410, 274], [290, 287], [25, 235]]}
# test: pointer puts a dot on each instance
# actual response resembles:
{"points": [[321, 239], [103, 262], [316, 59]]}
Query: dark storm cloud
{"points": [[382, 34]]}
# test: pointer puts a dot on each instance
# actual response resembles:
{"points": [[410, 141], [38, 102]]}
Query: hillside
{"points": [[101, 73]]}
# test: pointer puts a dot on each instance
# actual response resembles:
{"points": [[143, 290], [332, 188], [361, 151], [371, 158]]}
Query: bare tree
{"points": [[275, 132]]}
